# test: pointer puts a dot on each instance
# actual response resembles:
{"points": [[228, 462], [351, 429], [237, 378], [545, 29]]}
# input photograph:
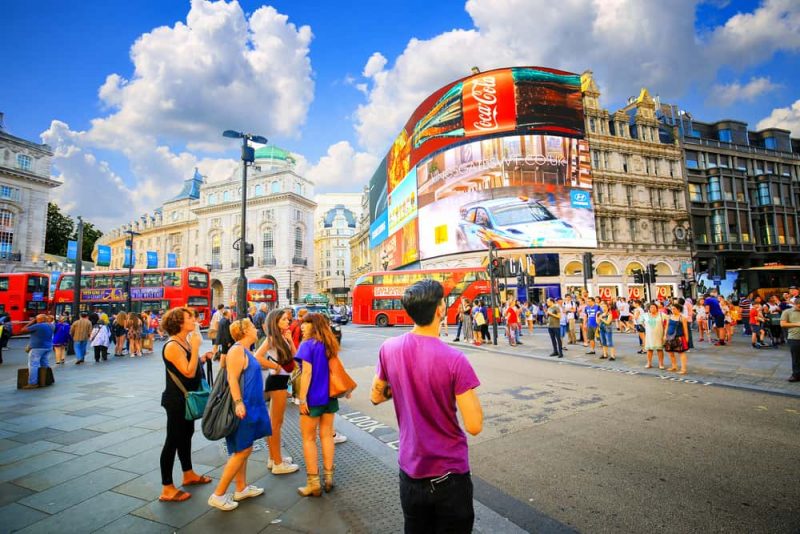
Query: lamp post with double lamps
{"points": [[245, 248]]}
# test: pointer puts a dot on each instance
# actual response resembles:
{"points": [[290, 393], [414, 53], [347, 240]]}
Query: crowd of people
{"points": [[664, 326]]}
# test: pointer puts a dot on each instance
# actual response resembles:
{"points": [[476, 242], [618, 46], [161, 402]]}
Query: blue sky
{"points": [[334, 101]]}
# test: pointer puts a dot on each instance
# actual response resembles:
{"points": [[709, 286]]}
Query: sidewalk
{"points": [[736, 365], [83, 456]]}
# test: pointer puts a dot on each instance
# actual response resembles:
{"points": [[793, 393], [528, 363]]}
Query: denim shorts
{"points": [[606, 338]]}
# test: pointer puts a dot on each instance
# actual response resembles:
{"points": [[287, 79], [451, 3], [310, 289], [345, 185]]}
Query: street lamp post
{"points": [[130, 233], [76, 294], [248, 156], [289, 290]]}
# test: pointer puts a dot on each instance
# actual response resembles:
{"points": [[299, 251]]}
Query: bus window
{"points": [[378, 279], [197, 301], [67, 282], [397, 304], [4, 284], [364, 281], [172, 279], [119, 282], [102, 281], [382, 304], [152, 280], [86, 281], [37, 284], [136, 280], [199, 280]]}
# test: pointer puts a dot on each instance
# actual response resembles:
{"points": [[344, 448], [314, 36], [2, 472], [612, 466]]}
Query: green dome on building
{"points": [[272, 152]]}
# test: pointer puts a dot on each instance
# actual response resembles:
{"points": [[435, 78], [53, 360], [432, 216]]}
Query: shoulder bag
{"points": [[480, 320], [341, 384], [219, 417], [195, 400]]}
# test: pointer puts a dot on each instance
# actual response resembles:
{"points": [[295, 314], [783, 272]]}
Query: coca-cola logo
{"points": [[484, 91]]}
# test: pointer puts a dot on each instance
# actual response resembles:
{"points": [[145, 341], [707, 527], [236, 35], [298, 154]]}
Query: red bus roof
{"points": [[425, 271], [14, 275], [138, 271]]}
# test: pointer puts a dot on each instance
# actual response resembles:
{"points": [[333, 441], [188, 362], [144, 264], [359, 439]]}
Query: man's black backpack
{"points": [[219, 417]]}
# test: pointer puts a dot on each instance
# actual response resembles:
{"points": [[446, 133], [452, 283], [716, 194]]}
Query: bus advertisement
{"points": [[23, 296], [151, 289], [377, 296]]}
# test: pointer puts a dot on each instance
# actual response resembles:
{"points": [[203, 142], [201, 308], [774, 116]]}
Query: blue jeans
{"points": [[606, 338], [37, 358], [563, 330], [80, 349]]}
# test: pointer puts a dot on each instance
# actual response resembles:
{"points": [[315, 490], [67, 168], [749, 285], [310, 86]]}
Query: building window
{"points": [[624, 163], [767, 230], [744, 226], [592, 125], [24, 162], [629, 194], [259, 190], [298, 188], [647, 165], [770, 143], [727, 190], [691, 159], [763, 194], [605, 160], [298, 242], [6, 231], [676, 199], [216, 249], [212, 199], [714, 194], [276, 187], [718, 226], [9, 193], [632, 228], [595, 159], [725, 135], [267, 245], [226, 196]]}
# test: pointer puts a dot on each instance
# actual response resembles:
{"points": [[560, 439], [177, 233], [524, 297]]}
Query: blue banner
{"points": [[172, 261], [72, 250], [152, 259], [53, 279], [379, 230], [128, 253], [103, 256]]}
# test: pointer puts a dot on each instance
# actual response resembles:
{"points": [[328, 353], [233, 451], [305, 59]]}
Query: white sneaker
{"points": [[285, 459], [249, 491], [224, 503], [284, 468], [339, 438]]}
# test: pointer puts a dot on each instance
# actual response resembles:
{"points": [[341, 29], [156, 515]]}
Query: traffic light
{"points": [[638, 276], [651, 273], [588, 264], [496, 267], [248, 255]]}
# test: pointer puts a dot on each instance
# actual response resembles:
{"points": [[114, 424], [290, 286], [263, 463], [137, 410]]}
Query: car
{"points": [[317, 308], [511, 222]]}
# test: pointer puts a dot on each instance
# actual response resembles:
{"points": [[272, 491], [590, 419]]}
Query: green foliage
{"points": [[62, 228], [90, 236]]}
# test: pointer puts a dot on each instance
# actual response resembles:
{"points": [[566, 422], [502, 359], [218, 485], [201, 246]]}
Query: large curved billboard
{"points": [[495, 158]]}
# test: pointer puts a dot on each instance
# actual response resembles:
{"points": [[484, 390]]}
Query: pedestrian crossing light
{"points": [[651, 273], [248, 255], [588, 265], [638, 276]]}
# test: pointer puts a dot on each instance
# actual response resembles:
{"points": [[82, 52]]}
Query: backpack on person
{"points": [[219, 417]]}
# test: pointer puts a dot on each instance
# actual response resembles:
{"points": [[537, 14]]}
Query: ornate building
{"points": [[25, 185], [360, 255], [335, 220], [201, 223]]}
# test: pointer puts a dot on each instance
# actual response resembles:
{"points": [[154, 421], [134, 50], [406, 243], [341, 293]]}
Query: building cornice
{"points": [[25, 175], [255, 202]]}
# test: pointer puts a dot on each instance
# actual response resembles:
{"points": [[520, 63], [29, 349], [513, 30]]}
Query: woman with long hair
{"points": [[655, 334], [677, 337], [250, 409], [182, 362], [317, 408], [134, 327], [280, 352], [605, 321], [119, 330], [702, 320]]}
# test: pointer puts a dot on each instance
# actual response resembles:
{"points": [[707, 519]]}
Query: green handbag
{"points": [[195, 400]]}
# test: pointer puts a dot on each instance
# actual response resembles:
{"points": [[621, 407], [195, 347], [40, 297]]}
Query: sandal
{"points": [[179, 496], [202, 480]]}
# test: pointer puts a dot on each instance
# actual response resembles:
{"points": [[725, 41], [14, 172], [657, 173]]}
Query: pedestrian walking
{"points": [[756, 321], [676, 340], [182, 362], [100, 339], [605, 320], [119, 331], [590, 312], [60, 339], [6, 330], [638, 324], [655, 332], [554, 328], [702, 320], [790, 320], [428, 380], [465, 324], [279, 350], [134, 330], [317, 408], [224, 339], [80, 332], [40, 345], [512, 323], [251, 410]]}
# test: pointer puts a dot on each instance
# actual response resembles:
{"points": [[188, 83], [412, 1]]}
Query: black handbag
{"points": [[219, 417]]}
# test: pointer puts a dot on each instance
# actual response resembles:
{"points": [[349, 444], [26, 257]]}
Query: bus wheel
{"points": [[382, 320]]}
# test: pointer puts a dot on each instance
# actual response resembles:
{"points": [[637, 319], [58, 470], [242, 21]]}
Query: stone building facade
{"points": [[25, 185], [201, 223], [335, 221]]}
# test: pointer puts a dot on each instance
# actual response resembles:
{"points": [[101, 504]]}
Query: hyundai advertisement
{"points": [[497, 158]]}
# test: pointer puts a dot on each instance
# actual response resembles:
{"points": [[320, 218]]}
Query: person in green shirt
{"points": [[790, 319], [554, 328]]}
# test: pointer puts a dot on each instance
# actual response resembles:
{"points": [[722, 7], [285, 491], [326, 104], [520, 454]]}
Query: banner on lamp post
{"points": [[152, 259], [103, 255]]}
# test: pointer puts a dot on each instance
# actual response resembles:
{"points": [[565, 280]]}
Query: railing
{"points": [[10, 256], [267, 261], [740, 148], [300, 261]]}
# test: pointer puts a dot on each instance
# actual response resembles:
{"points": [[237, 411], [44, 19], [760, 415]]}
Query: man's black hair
{"points": [[421, 299]]}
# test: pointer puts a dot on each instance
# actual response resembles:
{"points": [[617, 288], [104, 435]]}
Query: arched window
{"points": [[276, 187], [298, 188], [258, 190], [663, 269], [298, 242], [573, 268], [632, 266], [268, 246], [606, 268], [226, 196], [216, 249], [212, 198], [6, 231]]}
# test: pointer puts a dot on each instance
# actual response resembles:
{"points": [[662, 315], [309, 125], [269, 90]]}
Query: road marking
{"points": [[369, 425], [762, 408]]}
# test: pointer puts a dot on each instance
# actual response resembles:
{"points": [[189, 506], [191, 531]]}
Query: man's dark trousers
{"points": [[442, 504]]}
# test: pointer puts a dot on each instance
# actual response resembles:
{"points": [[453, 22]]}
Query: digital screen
{"points": [[495, 158]]}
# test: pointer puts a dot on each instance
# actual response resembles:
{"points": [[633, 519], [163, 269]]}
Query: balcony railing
{"points": [[10, 256], [300, 261], [264, 262]]}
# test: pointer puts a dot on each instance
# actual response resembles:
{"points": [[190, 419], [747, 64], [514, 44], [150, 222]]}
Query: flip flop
{"points": [[202, 480], [180, 496]]}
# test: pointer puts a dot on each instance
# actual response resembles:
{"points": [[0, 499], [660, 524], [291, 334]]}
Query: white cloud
{"points": [[342, 168], [628, 44], [728, 94], [787, 118], [218, 70]]}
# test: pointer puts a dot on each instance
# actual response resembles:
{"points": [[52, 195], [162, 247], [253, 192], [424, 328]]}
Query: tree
{"points": [[90, 236], [60, 229]]}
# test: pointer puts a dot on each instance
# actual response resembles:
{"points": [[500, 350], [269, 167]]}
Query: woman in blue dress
{"points": [[250, 409]]}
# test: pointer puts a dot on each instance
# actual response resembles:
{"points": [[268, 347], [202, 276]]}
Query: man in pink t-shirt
{"points": [[427, 381]]}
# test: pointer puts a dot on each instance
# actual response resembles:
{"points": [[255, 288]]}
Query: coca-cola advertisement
{"points": [[472, 121]]}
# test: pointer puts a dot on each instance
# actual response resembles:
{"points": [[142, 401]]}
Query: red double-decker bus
{"points": [[262, 290], [376, 296], [151, 289], [23, 296]]}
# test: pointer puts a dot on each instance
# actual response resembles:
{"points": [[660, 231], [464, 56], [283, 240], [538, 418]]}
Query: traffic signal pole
{"points": [[492, 295]]}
